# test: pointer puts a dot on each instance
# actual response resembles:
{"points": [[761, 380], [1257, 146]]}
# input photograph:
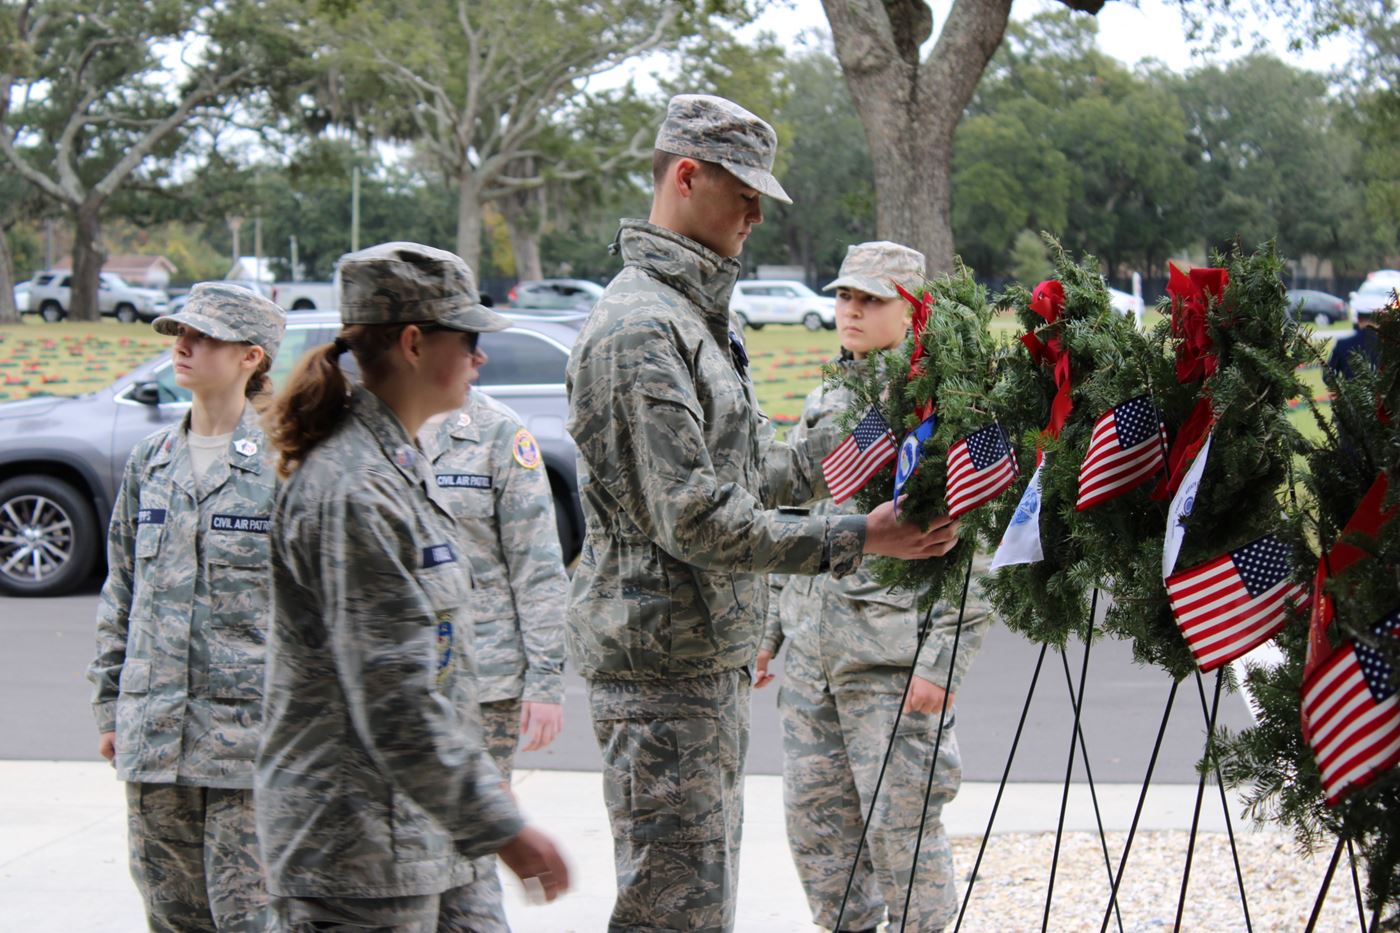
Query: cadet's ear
{"points": [[252, 357], [411, 343], [683, 176]]}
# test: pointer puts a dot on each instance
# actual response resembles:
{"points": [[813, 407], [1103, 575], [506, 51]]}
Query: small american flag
{"points": [[1229, 605], [1353, 715], [980, 467], [1125, 451], [860, 456]]}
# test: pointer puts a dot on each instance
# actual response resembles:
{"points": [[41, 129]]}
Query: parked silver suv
{"points": [[61, 459], [51, 292]]}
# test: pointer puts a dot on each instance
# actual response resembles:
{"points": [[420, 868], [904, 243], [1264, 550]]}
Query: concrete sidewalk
{"points": [[63, 864]]}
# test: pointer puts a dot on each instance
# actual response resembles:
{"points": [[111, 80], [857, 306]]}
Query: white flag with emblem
{"points": [[1182, 504], [1021, 542]]}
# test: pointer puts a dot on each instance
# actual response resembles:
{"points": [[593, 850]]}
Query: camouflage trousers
{"points": [[833, 746], [194, 857], [673, 759], [500, 724], [459, 910]]}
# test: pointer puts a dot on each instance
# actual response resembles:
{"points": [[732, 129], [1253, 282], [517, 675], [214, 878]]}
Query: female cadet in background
{"points": [[489, 469], [375, 791], [850, 645], [181, 624]]}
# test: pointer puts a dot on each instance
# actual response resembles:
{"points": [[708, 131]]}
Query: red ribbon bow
{"points": [[1048, 301], [1195, 359], [923, 309], [1190, 294]]}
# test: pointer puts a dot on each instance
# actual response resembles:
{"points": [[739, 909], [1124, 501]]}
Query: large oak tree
{"points": [[93, 91]]}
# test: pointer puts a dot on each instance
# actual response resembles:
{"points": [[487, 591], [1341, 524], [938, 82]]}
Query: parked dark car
{"points": [[1320, 308], [61, 459]]}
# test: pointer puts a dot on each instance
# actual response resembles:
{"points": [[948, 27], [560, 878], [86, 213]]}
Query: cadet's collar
{"points": [[246, 447], [464, 424], [705, 277], [173, 435], [388, 430]]}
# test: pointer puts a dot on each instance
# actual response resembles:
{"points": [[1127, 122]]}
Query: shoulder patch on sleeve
{"points": [[526, 450]]}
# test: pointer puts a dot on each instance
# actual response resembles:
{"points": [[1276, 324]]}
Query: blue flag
{"points": [[911, 451]]}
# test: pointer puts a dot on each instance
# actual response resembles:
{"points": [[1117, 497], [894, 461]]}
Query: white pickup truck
{"points": [[304, 296], [50, 294]]}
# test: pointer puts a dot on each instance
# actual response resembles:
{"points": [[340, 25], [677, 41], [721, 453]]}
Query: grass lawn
{"points": [[70, 357]]}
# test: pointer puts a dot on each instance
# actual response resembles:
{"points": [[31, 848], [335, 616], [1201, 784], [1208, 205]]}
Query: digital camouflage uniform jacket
{"points": [[853, 631], [488, 469], [372, 778], [181, 624], [680, 475]]}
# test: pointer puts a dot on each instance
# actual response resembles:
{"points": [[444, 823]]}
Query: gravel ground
{"points": [[1281, 884]]}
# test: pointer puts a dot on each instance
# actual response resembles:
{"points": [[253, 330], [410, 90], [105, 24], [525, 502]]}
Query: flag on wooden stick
{"points": [[980, 467], [1229, 605], [1352, 714], [1125, 451], [868, 448]]}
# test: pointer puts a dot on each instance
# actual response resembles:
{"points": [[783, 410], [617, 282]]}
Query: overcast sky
{"points": [[1128, 31]]}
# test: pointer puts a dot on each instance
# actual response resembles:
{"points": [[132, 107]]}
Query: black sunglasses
{"points": [[469, 337]]}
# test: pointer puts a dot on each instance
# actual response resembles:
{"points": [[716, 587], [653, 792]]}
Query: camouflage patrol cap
{"points": [[228, 312], [876, 267], [409, 283], [713, 129]]}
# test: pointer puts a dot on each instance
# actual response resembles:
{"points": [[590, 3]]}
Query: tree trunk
{"points": [[469, 219], [9, 314], [910, 109], [523, 210], [89, 254], [913, 164], [524, 230]]}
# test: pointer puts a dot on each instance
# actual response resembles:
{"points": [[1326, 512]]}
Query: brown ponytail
{"points": [[259, 387], [317, 395]]}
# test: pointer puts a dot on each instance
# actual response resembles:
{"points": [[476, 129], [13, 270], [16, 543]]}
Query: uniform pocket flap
{"points": [[250, 550], [136, 676], [236, 682]]}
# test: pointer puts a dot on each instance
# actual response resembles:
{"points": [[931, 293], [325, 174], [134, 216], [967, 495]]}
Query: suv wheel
{"points": [[51, 311], [126, 313], [48, 536], [304, 304], [812, 320], [1322, 320]]}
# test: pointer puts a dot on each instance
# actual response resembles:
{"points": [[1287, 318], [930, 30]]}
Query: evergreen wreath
{"points": [[1272, 759], [1257, 349], [955, 373], [1253, 348], [1108, 364]]}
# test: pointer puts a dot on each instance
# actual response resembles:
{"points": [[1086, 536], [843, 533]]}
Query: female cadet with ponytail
{"points": [[375, 790], [182, 623]]}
